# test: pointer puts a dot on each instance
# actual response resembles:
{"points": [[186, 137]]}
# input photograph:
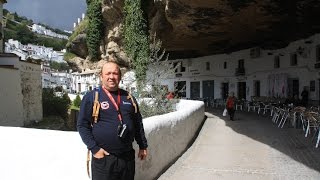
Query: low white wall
{"points": [[168, 137]]}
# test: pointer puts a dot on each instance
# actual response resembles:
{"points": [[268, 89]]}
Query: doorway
{"points": [[208, 89], [195, 90], [242, 90], [293, 87], [256, 88], [224, 90]]}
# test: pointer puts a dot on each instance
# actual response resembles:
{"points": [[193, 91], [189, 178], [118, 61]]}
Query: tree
{"points": [[95, 28], [77, 101], [136, 40], [24, 35]]}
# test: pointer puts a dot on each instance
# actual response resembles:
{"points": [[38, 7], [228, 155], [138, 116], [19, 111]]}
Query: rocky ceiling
{"points": [[193, 28]]}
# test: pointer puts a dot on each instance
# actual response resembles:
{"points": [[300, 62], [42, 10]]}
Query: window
{"points": [[208, 66], [276, 62], [293, 59], [180, 88], [255, 52], [241, 63], [225, 65], [178, 67]]}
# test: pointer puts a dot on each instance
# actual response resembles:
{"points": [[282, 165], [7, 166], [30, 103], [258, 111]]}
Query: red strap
{"points": [[116, 105]]}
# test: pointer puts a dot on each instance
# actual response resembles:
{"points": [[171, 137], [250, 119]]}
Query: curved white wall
{"points": [[168, 137]]}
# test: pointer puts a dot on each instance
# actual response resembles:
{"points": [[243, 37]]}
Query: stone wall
{"points": [[169, 136], [31, 91], [11, 108]]}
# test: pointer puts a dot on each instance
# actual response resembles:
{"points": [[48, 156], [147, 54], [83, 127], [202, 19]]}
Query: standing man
{"points": [[110, 137]]}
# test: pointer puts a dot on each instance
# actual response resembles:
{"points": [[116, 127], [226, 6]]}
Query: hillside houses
{"points": [[42, 30], [33, 51]]}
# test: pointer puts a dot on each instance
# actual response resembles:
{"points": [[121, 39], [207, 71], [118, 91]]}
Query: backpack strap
{"points": [[96, 107], [133, 103], [95, 114]]}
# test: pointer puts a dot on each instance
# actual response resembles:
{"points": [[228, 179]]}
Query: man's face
{"points": [[110, 76]]}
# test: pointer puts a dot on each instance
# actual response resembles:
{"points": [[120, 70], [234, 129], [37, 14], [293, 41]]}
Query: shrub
{"points": [[54, 105], [77, 101]]}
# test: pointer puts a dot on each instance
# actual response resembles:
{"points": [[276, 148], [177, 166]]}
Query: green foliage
{"points": [[59, 66], [95, 28], [68, 55], [55, 105], [158, 70], [24, 35], [79, 29], [136, 42], [77, 101]]}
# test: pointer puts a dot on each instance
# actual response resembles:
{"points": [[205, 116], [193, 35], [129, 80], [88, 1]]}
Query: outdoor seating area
{"points": [[281, 112]]}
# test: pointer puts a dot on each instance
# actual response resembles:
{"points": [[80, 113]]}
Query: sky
{"points": [[55, 13]]}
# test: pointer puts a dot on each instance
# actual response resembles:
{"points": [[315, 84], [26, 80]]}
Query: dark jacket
{"points": [[104, 133]]}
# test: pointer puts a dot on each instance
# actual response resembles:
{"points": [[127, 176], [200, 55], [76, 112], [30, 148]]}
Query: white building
{"points": [[62, 79], [42, 30], [251, 72], [46, 76], [34, 51], [85, 81]]}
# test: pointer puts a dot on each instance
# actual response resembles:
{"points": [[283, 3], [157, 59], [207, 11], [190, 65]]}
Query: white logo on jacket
{"points": [[104, 105], [128, 103]]}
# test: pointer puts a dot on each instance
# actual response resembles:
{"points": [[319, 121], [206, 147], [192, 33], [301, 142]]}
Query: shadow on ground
{"points": [[290, 141]]}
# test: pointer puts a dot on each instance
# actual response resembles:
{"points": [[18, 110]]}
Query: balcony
{"points": [[240, 72]]}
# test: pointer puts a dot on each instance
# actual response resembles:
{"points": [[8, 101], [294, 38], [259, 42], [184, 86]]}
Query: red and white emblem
{"points": [[104, 105]]}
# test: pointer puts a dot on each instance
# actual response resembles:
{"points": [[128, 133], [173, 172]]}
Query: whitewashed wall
{"points": [[168, 137], [31, 85], [258, 68], [11, 108]]}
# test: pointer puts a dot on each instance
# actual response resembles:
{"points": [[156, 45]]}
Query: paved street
{"points": [[251, 147]]}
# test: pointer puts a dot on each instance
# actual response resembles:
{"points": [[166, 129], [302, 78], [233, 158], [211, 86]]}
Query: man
{"points": [[119, 122]]}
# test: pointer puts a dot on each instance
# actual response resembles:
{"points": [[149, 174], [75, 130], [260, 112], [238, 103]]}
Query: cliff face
{"points": [[191, 28]]}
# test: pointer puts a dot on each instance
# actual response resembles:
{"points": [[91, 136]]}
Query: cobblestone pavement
{"points": [[251, 147]]}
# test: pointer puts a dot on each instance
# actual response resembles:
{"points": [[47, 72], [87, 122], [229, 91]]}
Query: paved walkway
{"points": [[251, 147]]}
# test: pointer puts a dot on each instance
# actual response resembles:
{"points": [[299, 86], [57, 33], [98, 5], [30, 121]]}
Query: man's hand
{"points": [[142, 154], [101, 153]]}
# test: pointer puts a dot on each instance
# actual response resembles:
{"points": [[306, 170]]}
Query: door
{"points": [[224, 90], [208, 89], [319, 91], [241, 90], [293, 87], [256, 88], [195, 90]]}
